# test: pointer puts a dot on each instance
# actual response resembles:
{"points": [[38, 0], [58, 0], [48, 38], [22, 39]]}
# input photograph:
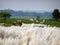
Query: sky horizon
{"points": [[43, 5]]}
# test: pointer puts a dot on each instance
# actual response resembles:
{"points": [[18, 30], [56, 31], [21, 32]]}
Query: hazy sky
{"points": [[30, 4]]}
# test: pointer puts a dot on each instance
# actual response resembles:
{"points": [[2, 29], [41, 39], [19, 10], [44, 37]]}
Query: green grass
{"points": [[53, 23], [10, 21]]}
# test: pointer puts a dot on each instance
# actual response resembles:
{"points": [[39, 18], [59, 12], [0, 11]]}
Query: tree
{"points": [[56, 14], [4, 16], [37, 18]]}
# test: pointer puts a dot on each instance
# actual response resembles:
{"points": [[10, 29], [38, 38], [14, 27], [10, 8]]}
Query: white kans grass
{"points": [[30, 34]]}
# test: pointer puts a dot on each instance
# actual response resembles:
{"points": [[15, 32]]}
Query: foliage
{"points": [[51, 22], [56, 14], [37, 18], [27, 21], [4, 16]]}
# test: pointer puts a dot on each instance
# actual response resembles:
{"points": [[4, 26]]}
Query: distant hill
{"points": [[27, 14]]}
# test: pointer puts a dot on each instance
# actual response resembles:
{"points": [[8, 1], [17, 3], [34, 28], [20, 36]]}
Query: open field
{"points": [[28, 21], [53, 23]]}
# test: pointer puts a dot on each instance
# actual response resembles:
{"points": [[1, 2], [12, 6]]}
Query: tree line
{"points": [[5, 15]]}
